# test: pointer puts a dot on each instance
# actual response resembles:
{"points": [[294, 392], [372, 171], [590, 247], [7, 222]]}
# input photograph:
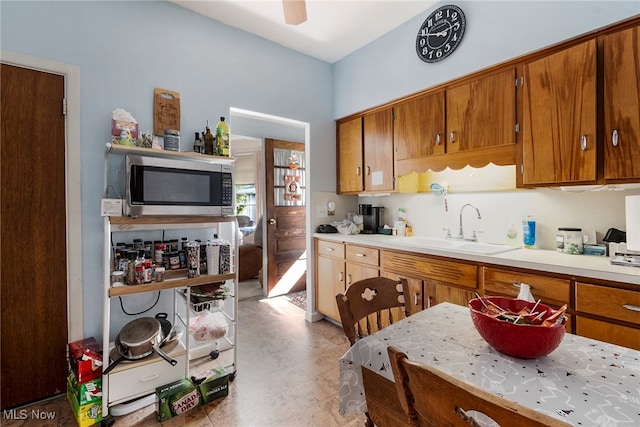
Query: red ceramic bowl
{"points": [[518, 340]]}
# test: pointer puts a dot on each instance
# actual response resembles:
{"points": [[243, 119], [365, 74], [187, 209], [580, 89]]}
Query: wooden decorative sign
{"points": [[166, 111]]}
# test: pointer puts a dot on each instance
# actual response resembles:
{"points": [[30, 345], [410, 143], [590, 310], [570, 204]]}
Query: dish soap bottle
{"points": [[528, 232], [222, 137], [512, 234]]}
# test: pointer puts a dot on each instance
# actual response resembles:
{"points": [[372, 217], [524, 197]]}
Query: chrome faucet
{"points": [[461, 232]]}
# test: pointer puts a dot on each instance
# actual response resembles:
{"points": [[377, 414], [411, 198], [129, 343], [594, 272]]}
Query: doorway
{"points": [[250, 121], [45, 370]]}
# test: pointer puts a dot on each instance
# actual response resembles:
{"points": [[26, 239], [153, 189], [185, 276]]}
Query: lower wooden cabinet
{"points": [[330, 281], [437, 292], [608, 314], [552, 291]]}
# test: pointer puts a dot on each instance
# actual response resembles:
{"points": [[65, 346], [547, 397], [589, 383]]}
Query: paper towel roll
{"points": [[632, 209]]}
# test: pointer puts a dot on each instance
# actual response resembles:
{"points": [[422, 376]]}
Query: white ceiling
{"points": [[333, 30]]}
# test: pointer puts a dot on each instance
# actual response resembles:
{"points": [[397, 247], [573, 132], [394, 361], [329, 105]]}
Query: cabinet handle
{"points": [[452, 137], [429, 302], [349, 279], [583, 142], [631, 307], [330, 249], [358, 170], [438, 139], [415, 299], [152, 377], [361, 255], [368, 170], [341, 277], [614, 138]]}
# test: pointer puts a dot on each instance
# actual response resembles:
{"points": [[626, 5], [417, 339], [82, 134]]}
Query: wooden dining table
{"points": [[583, 382]]}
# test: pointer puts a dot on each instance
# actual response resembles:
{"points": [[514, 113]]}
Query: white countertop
{"points": [[587, 266]]}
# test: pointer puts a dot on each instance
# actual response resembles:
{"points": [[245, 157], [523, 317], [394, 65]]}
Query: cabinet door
{"points": [[357, 272], [608, 332], [551, 290], [378, 151], [622, 104], [482, 113], [350, 173], [559, 117], [330, 282], [416, 292], [418, 127], [437, 292]]}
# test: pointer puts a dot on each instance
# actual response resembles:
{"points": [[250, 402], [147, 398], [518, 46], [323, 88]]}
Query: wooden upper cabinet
{"points": [[482, 113], [350, 171], [418, 127], [378, 151], [559, 117], [622, 104]]}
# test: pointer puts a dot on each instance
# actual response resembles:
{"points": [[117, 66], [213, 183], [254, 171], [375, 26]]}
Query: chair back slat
{"points": [[432, 398], [362, 307]]}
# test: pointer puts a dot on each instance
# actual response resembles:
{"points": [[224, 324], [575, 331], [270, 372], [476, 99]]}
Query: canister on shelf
{"points": [[117, 278], [193, 259], [569, 240], [172, 140]]}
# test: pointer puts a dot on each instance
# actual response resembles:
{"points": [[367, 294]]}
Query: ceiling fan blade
{"points": [[295, 11]]}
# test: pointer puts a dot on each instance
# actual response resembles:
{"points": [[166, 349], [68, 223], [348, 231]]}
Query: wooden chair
{"points": [[367, 305], [432, 398]]}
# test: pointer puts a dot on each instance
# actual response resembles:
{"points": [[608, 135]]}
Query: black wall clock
{"points": [[440, 34]]}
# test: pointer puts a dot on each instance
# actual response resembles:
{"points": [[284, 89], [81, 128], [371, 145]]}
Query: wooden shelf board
{"points": [[170, 284]]}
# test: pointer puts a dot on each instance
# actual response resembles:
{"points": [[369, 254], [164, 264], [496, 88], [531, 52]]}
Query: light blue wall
{"points": [[126, 49], [496, 31]]}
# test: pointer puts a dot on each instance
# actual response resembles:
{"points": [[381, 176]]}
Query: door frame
{"points": [[310, 315], [71, 74]]}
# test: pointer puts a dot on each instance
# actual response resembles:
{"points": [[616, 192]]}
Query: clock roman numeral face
{"points": [[440, 34]]}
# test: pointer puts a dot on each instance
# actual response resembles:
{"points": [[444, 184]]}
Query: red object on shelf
{"points": [[85, 359], [519, 340]]}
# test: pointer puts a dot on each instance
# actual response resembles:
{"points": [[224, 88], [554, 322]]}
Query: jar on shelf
{"points": [[117, 278], [569, 240]]}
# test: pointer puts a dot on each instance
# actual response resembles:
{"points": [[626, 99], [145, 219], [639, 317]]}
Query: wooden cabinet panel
{"points": [[551, 290], [559, 117], [456, 273], [608, 332], [378, 151], [330, 281], [418, 127], [363, 255], [622, 104], [349, 166], [332, 249], [482, 113], [357, 272], [618, 304], [437, 293]]}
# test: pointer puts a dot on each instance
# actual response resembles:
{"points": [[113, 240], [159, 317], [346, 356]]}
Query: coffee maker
{"points": [[371, 218]]}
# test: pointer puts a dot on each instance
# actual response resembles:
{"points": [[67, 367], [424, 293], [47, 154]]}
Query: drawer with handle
{"points": [[332, 249], [619, 304], [363, 255], [551, 290]]}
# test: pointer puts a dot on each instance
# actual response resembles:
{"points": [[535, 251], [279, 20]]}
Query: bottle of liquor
{"points": [[198, 146], [222, 137], [209, 142]]}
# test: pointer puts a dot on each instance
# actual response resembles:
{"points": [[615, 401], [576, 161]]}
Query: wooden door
{"points": [[559, 117], [356, 272], [418, 127], [482, 113], [350, 174], [285, 217], [622, 104], [378, 151], [34, 273]]}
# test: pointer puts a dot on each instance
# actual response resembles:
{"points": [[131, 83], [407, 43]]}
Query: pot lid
{"points": [[139, 331]]}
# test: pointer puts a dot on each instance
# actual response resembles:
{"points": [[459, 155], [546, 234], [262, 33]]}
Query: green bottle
{"points": [[209, 143], [222, 138]]}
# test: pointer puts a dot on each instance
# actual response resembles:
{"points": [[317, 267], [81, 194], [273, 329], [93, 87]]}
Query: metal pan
{"points": [[139, 339]]}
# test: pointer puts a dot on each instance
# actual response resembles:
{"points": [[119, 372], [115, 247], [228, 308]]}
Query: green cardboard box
{"points": [[176, 398], [87, 392], [215, 384], [85, 415]]}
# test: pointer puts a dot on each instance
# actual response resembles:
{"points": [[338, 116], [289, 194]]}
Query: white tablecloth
{"points": [[584, 382]]}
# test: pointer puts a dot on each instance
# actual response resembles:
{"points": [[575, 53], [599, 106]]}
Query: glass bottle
{"points": [[197, 144], [209, 142], [222, 137]]}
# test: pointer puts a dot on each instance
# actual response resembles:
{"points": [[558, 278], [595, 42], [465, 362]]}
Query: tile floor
{"points": [[287, 376]]}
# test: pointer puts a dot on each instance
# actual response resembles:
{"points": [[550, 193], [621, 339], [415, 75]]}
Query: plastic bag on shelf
{"points": [[208, 327]]}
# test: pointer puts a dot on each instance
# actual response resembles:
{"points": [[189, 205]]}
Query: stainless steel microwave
{"points": [[161, 186]]}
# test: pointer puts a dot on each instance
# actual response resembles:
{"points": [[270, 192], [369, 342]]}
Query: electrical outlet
{"points": [[322, 212]]}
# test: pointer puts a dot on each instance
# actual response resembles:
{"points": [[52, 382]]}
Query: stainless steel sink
{"points": [[465, 246]]}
